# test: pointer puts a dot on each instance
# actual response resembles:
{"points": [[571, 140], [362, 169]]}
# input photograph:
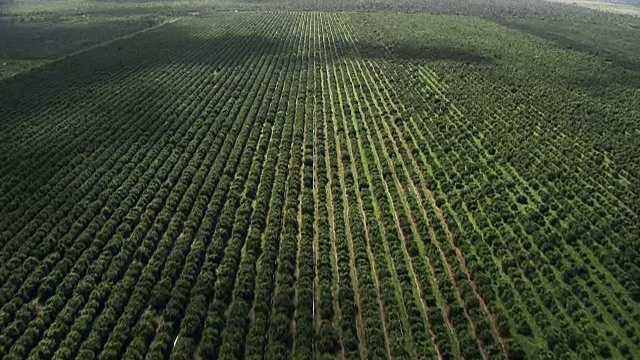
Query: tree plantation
{"points": [[270, 181]]}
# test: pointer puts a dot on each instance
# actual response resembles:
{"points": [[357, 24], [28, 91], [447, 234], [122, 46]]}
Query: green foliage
{"points": [[322, 185]]}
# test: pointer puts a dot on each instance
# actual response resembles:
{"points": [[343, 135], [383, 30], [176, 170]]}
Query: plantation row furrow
{"points": [[411, 205], [450, 270], [409, 229], [361, 227], [121, 191], [512, 242], [316, 185], [397, 264], [560, 145], [428, 277], [258, 341], [557, 139], [459, 255], [233, 235], [329, 340], [108, 126], [79, 243], [384, 208], [93, 116], [372, 341], [393, 177], [558, 276], [284, 300], [591, 201], [237, 319], [303, 328], [501, 292], [525, 235], [163, 251], [487, 338], [54, 217], [142, 153], [348, 317]]}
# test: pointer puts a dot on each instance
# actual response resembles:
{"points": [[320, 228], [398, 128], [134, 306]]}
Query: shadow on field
{"points": [[616, 46], [33, 91], [95, 87], [594, 41], [438, 53], [53, 39], [413, 52]]}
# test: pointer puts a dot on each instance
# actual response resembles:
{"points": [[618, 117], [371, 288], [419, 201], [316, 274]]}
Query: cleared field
{"points": [[605, 6], [321, 185]]}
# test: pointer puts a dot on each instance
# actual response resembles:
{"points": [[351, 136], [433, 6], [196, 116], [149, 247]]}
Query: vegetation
{"points": [[34, 40], [195, 183]]}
